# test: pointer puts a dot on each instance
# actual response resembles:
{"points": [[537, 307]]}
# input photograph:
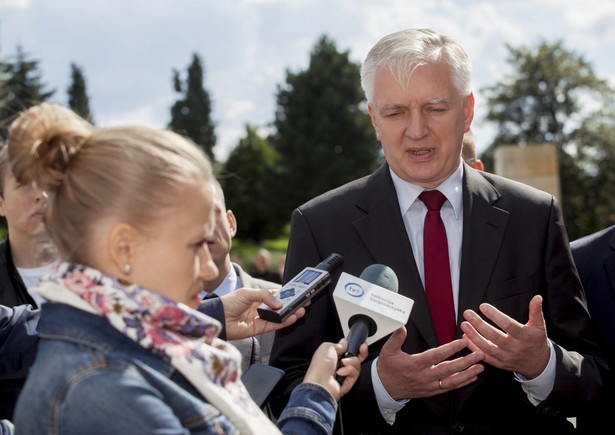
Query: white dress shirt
{"points": [[413, 211]]}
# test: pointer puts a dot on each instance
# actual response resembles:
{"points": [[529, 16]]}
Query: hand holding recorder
{"points": [[303, 287]]}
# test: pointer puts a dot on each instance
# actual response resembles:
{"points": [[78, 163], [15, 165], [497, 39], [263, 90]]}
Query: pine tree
{"points": [[23, 88], [78, 99], [323, 133], [191, 114], [245, 184]]}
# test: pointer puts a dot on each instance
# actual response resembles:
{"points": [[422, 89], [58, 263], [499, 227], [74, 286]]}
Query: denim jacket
{"points": [[90, 378]]}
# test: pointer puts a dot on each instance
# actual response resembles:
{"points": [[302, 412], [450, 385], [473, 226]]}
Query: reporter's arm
{"points": [[18, 340], [237, 311], [313, 403]]}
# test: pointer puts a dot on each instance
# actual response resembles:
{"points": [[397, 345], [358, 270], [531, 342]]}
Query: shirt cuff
{"points": [[387, 405], [540, 387]]}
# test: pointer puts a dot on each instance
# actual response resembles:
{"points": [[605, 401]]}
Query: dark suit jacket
{"points": [[594, 256], [514, 247], [13, 291], [18, 344]]}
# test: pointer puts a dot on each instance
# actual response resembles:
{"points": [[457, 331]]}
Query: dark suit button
{"points": [[458, 427]]}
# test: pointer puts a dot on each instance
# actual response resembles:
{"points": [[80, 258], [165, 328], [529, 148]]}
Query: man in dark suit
{"points": [[231, 277], [26, 254], [594, 256], [524, 358]]}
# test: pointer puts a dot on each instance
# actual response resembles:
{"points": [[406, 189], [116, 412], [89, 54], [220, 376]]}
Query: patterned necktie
{"points": [[437, 269]]}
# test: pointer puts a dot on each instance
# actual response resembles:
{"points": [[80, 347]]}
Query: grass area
{"points": [[243, 251]]}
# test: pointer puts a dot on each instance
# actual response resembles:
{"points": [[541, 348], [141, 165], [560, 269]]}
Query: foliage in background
{"points": [[244, 250], [323, 134], [22, 88], [247, 187], [593, 194], [553, 96], [78, 100], [191, 114]]}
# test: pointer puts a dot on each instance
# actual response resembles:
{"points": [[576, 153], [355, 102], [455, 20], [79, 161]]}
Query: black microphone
{"points": [[361, 325], [303, 287]]}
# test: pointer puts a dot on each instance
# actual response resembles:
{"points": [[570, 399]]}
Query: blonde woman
{"points": [[122, 349]]}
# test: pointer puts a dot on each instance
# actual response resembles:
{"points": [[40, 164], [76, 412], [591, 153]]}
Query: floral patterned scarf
{"points": [[182, 336]]}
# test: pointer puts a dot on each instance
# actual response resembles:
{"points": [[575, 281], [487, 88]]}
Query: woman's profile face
{"points": [[172, 257]]}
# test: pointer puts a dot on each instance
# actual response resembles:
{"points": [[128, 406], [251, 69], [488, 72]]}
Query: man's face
{"points": [[421, 128], [23, 207], [226, 226]]}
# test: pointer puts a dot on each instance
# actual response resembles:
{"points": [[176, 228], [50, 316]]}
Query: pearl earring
{"points": [[127, 269]]}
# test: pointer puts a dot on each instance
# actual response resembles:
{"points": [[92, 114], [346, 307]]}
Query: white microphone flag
{"points": [[389, 310]]}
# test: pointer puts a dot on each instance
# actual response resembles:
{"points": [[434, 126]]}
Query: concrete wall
{"points": [[536, 165]]}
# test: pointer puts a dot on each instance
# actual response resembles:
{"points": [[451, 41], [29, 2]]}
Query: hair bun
{"points": [[42, 142]]}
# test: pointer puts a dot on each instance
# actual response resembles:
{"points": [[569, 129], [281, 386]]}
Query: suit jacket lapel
{"points": [[484, 226], [383, 232]]}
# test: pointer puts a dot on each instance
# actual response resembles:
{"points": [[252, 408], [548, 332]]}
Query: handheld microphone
{"points": [[303, 287], [361, 325], [369, 307]]}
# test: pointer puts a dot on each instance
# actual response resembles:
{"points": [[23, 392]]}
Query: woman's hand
{"points": [[324, 367]]}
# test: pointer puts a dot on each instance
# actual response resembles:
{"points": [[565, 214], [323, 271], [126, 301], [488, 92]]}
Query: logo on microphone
{"points": [[355, 290]]}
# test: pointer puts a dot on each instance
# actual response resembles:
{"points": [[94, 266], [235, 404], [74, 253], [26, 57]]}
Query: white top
{"points": [[31, 276]]}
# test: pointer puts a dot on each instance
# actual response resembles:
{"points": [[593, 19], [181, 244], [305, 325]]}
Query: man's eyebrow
{"points": [[395, 106], [438, 101], [392, 106]]}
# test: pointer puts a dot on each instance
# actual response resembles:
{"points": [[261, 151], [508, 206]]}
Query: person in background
{"points": [[28, 252], [25, 255], [281, 264], [594, 256], [121, 348], [231, 277], [517, 354], [262, 267], [468, 151]]}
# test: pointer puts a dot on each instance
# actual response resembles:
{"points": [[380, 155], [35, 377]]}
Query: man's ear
{"points": [[469, 110], [122, 240], [372, 116], [232, 222]]}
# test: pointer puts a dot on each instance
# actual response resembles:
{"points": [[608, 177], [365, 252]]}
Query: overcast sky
{"points": [[128, 49]]}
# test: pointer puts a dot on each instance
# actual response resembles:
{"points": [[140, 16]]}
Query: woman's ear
{"points": [[122, 241]]}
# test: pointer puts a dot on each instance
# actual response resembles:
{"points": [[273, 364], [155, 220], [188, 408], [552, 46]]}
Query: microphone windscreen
{"points": [[382, 276]]}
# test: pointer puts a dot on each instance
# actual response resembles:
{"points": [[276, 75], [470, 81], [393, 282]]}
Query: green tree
{"points": [[322, 131], [545, 101], [191, 114], [245, 185], [23, 88], [78, 99], [593, 148]]}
